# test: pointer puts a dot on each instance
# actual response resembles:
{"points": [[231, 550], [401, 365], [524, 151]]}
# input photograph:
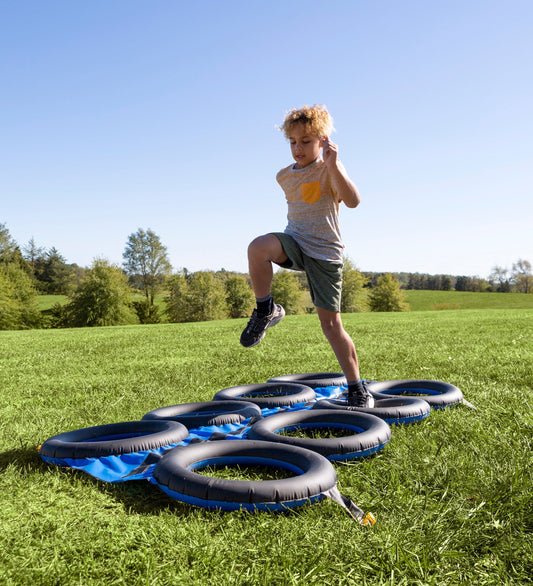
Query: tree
{"points": [[199, 296], [146, 263], [147, 314], [8, 246], [9, 250], [463, 283], [480, 285], [239, 297], [206, 297], [522, 277], [387, 296], [500, 279], [446, 283], [32, 253], [176, 300], [353, 281], [287, 291], [53, 274], [18, 299], [103, 298]]}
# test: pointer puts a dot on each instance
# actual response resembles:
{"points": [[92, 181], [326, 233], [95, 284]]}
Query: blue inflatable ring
{"points": [[369, 434], [206, 413], [114, 439], [312, 379], [268, 395], [393, 410], [175, 475], [438, 394]]}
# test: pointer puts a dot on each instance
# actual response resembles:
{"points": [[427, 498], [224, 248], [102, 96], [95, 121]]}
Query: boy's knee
{"points": [[265, 247], [331, 325], [257, 242], [256, 246]]}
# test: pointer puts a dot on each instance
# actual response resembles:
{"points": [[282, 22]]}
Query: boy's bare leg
{"points": [[262, 252], [340, 341], [344, 348]]}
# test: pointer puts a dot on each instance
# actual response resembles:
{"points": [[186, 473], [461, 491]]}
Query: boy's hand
{"points": [[343, 185], [329, 152]]}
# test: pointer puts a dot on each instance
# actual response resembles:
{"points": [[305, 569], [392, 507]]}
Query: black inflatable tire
{"points": [[175, 475], [438, 394], [114, 439], [285, 394], [371, 433], [206, 413], [313, 379], [393, 410]]}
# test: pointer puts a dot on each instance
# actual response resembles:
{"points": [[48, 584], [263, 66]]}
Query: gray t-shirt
{"points": [[313, 210]]}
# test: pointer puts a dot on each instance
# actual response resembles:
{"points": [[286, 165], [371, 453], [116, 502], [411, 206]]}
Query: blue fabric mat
{"points": [[138, 465]]}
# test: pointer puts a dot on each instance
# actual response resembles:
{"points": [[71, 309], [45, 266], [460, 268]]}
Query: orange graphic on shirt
{"points": [[311, 192]]}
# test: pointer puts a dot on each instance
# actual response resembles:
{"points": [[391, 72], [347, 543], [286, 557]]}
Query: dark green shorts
{"points": [[324, 277]]}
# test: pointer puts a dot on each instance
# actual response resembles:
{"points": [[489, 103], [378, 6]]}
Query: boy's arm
{"points": [[344, 186]]}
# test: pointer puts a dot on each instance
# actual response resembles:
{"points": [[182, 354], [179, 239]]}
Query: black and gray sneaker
{"points": [[362, 400], [256, 329]]}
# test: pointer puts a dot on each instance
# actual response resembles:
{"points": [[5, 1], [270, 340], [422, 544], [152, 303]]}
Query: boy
{"points": [[314, 187]]}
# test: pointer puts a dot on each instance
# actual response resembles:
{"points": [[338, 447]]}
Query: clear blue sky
{"points": [[116, 115]]}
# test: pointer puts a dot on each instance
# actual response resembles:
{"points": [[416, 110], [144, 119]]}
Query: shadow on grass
{"points": [[25, 458], [137, 496], [141, 497]]}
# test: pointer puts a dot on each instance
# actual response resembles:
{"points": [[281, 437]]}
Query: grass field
{"points": [[452, 495], [438, 300], [418, 301], [48, 301]]}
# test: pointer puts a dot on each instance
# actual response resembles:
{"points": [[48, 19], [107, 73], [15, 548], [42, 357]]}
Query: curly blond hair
{"points": [[316, 118]]}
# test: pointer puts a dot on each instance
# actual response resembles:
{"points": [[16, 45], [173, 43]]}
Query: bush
{"points": [[387, 296], [18, 299], [147, 313], [353, 295], [103, 298], [239, 297], [200, 296], [286, 289], [176, 301]]}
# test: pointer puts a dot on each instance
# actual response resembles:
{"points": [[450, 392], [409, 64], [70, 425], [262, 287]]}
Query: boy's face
{"points": [[305, 146]]}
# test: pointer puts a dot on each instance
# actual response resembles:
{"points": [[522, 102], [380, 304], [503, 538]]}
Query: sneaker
{"points": [[363, 400], [257, 326]]}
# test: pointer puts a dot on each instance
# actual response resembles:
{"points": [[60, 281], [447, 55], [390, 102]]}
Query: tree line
{"points": [[146, 290], [518, 279]]}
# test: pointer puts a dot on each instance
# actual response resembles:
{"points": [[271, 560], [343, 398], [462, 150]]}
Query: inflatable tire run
{"points": [[114, 439], [267, 395], [393, 410], [175, 475], [437, 394], [206, 413], [369, 433], [313, 379]]}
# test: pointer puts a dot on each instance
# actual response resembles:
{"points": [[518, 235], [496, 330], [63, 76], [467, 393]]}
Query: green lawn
{"points": [[452, 495], [418, 300], [48, 301], [438, 300]]}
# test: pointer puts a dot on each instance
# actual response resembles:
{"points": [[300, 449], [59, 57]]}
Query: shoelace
{"points": [[256, 323], [360, 400]]}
